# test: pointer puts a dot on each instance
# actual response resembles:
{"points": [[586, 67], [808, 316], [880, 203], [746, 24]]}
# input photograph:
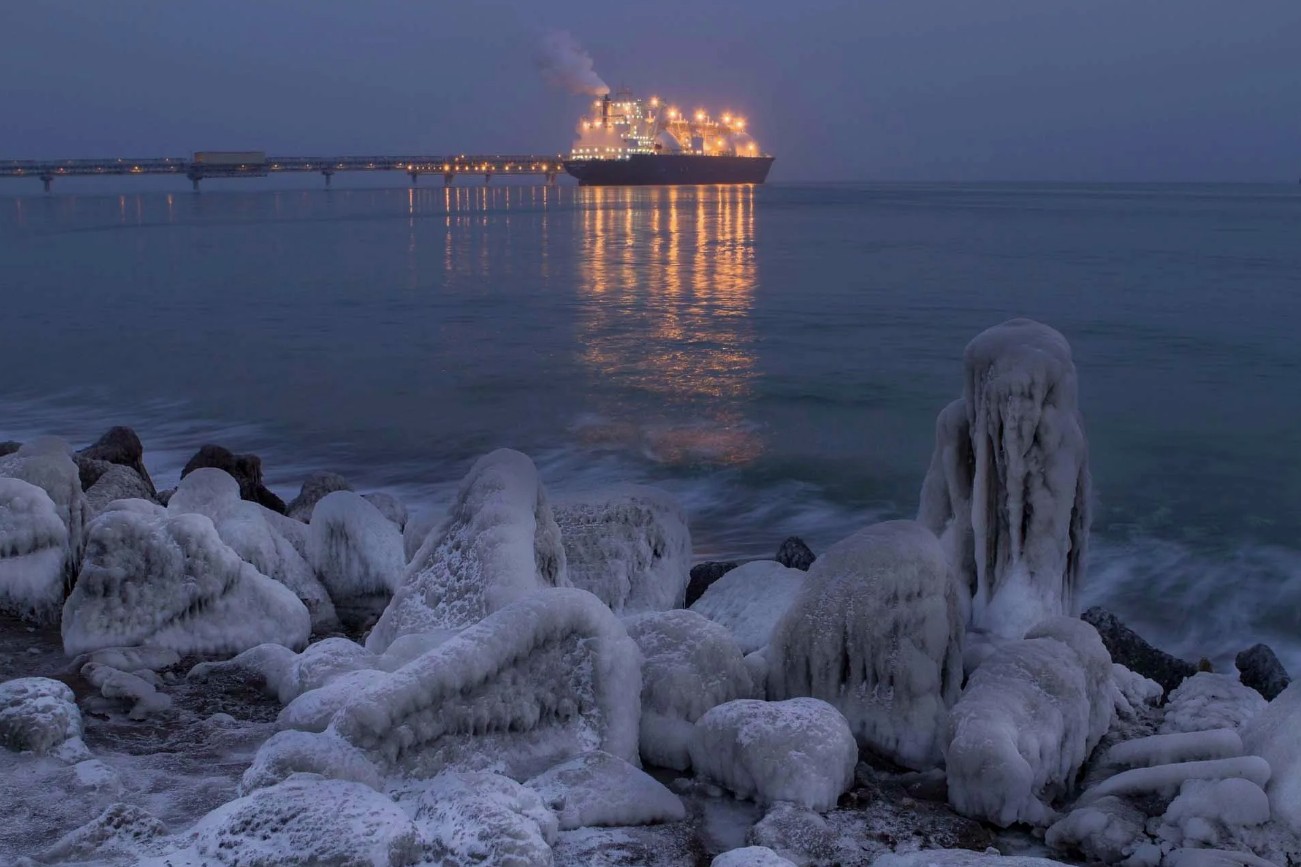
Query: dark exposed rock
{"points": [[119, 445], [165, 495], [245, 469], [1260, 669], [704, 574], [89, 470], [315, 487], [1129, 649], [8, 447], [794, 554]]}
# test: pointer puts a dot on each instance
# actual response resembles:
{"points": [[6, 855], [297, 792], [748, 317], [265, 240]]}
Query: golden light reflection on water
{"points": [[668, 275]]}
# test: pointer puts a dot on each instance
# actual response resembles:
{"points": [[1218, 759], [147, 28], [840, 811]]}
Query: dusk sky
{"points": [[933, 90]]}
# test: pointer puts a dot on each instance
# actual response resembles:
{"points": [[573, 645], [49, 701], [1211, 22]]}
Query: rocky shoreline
{"points": [[529, 680]]}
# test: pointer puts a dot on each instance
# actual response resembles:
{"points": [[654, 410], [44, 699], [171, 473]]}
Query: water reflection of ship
{"points": [[671, 276]]}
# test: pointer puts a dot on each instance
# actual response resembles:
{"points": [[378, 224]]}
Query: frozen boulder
{"points": [[750, 856], [1106, 831], [46, 462], [252, 532], [315, 487], [1096, 663], [1008, 486], [1172, 748], [690, 664], [390, 507], [1021, 731], [305, 820], [630, 547], [140, 693], [702, 575], [1260, 669], [357, 552], [244, 469], [1166, 780], [1128, 648], [598, 789], [1133, 692], [876, 631], [34, 552], [800, 750], [39, 715], [500, 544], [472, 819], [286, 674], [1212, 813], [169, 581], [289, 752], [1210, 701], [750, 600], [313, 710], [1275, 735], [120, 446], [117, 835], [116, 483], [794, 554], [538, 681]]}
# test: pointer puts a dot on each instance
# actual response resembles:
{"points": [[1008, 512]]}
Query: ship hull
{"points": [[651, 169]]}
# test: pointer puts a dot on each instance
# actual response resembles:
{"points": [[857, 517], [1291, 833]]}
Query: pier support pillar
{"points": [[415, 175], [551, 179], [487, 178], [448, 178], [328, 174], [46, 180], [194, 177]]}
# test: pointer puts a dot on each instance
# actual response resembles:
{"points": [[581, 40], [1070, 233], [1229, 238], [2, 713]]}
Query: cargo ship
{"points": [[628, 141]]}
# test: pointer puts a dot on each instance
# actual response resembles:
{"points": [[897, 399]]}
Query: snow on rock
{"points": [[800, 750], [472, 819], [751, 856], [597, 789], [538, 681], [1172, 748], [1210, 701], [962, 858], [357, 552], [313, 710], [1020, 732], [629, 546], [251, 531], [289, 752], [1275, 735], [140, 693], [41, 716], [34, 552], [305, 820], [1133, 691], [690, 664], [122, 831], [1008, 486], [876, 631], [1165, 780], [1209, 813], [169, 581], [46, 462], [499, 544], [750, 600], [1108, 830]]}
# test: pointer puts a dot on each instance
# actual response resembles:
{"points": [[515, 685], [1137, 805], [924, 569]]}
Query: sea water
{"points": [[775, 356]]}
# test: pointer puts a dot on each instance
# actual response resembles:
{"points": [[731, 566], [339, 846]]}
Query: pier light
{"points": [[727, 118], [700, 114], [654, 101]]}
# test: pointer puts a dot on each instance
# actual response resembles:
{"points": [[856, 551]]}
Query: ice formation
{"points": [[1166, 779], [288, 675], [46, 462], [473, 819], [750, 600], [357, 552], [1172, 748], [1275, 735], [313, 710], [251, 532], [41, 716], [118, 834], [305, 820], [1008, 486], [597, 788], [500, 543], [1210, 701], [140, 692], [33, 552], [1133, 691], [540, 680], [290, 752], [1107, 830], [1211, 813], [1026, 722], [691, 664], [961, 858], [314, 487], [751, 856], [1099, 684], [876, 631], [169, 581], [800, 750], [629, 546], [390, 507]]}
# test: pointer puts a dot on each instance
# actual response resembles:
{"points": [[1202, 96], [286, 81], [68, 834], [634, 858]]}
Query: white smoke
{"points": [[564, 63]]}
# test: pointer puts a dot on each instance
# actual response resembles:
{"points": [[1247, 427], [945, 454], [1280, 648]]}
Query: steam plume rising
{"points": [[564, 63]]}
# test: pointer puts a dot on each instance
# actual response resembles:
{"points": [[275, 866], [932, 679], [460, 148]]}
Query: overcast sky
{"points": [[1088, 90]]}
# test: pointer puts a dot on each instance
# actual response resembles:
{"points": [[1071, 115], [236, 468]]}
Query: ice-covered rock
{"points": [[128, 658], [1165, 780], [288, 675], [629, 546], [1096, 662], [140, 693], [703, 575], [1275, 735], [34, 552], [800, 750], [306, 820], [876, 631], [420, 526], [1260, 669], [290, 752], [597, 789], [313, 710], [1209, 813], [1107, 830], [122, 831], [538, 681], [750, 856], [314, 487], [251, 532], [1210, 701], [750, 600], [499, 544], [41, 716], [472, 819], [46, 462], [169, 581], [690, 664], [1129, 649], [962, 858], [116, 483], [1008, 486], [1197, 857], [1133, 692], [1022, 729], [120, 446], [1179, 747], [794, 554], [390, 507], [244, 469], [357, 552]]}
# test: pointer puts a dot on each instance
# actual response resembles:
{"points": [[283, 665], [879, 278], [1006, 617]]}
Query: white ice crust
{"points": [[34, 552], [1275, 735], [479, 819], [598, 789], [800, 750], [46, 462], [40, 715], [1008, 486], [750, 600], [876, 630], [750, 856], [354, 548], [630, 547], [1210, 701], [289, 752], [499, 544]]}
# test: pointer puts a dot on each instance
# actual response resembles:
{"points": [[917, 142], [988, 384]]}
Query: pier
{"points": [[254, 164]]}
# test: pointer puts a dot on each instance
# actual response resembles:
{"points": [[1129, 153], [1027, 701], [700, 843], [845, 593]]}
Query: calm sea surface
{"points": [[775, 356]]}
